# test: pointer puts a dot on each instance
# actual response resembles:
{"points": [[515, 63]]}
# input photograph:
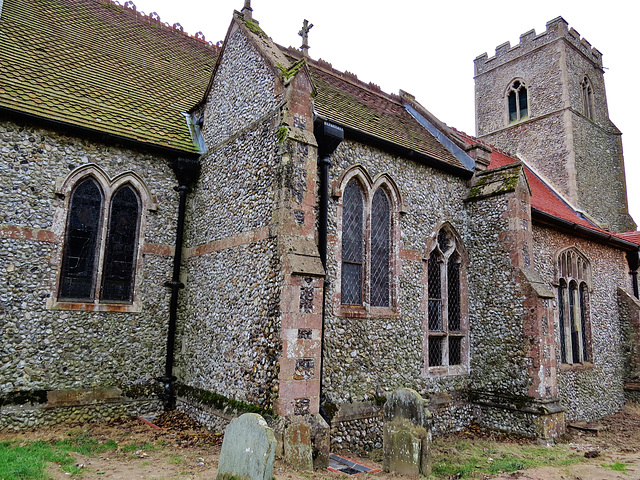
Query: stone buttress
{"points": [[514, 380], [252, 327]]}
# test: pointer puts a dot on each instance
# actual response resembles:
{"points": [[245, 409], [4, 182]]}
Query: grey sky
{"points": [[427, 48]]}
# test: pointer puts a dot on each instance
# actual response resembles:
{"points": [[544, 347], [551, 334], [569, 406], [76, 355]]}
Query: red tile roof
{"points": [[631, 236], [543, 197], [95, 64]]}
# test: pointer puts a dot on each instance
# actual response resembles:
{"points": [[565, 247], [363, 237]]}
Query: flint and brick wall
{"points": [[44, 349], [591, 390]]}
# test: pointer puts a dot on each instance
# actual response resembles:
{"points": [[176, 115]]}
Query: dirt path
{"points": [[187, 451]]}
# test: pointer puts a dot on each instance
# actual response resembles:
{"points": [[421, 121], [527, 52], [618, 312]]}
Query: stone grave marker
{"points": [[248, 449], [407, 434], [297, 446]]}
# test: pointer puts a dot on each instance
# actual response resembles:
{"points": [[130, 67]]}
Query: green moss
{"points": [[141, 391], [330, 409], [21, 398], [282, 133], [380, 401], [255, 28], [287, 73], [219, 401]]}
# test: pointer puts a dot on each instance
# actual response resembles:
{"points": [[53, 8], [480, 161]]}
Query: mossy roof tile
{"points": [[353, 104], [95, 64]]}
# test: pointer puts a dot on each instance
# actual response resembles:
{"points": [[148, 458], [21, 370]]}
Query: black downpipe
{"points": [[187, 171], [633, 260], [329, 137]]}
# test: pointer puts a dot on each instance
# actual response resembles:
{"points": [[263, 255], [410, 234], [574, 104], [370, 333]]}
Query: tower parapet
{"points": [[556, 28]]}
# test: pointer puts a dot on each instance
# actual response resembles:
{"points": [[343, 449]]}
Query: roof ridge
{"points": [[347, 76], [154, 19], [485, 143]]}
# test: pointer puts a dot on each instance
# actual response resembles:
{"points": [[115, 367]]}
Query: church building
{"points": [[232, 227]]}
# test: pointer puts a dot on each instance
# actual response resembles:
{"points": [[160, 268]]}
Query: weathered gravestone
{"points": [[297, 446], [407, 434], [248, 449]]}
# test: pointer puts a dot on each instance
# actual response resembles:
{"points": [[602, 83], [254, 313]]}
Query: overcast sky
{"points": [[427, 48]]}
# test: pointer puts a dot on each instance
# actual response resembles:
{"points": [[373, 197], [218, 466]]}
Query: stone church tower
{"points": [[544, 100]]}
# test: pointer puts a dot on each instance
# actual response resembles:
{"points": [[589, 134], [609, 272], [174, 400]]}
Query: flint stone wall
{"points": [[229, 332], [43, 349], [596, 389], [374, 355]]}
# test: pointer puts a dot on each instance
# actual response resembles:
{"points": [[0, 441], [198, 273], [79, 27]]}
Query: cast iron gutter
{"points": [[583, 231], [186, 171], [328, 136]]}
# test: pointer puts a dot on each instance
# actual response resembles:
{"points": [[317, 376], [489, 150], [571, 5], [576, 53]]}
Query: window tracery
{"points": [[587, 98], [102, 240], [517, 101], [367, 258], [446, 310], [574, 273]]}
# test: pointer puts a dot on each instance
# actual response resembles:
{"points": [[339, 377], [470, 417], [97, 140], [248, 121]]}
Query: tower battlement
{"points": [[556, 28]]}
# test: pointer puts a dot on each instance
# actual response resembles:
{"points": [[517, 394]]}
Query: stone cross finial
{"points": [[304, 33], [247, 10]]}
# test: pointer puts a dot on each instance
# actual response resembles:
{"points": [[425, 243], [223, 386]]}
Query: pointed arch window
{"points": [[367, 244], [380, 249], [352, 244], [587, 98], [518, 102], [574, 273], [101, 243], [446, 308]]}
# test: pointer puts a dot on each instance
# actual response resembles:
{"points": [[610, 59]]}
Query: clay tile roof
{"points": [[96, 64], [343, 99], [543, 197], [633, 236]]}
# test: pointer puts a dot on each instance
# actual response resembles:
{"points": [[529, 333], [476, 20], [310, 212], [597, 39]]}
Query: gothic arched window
{"points": [[573, 306], [352, 243], [518, 102], [368, 210], [380, 249], [81, 242], [446, 321], [120, 249], [587, 98], [101, 243]]}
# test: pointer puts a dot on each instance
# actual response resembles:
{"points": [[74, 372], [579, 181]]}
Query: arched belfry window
{"points": [[367, 259], [587, 98], [574, 276], [446, 308], [518, 102], [101, 241]]}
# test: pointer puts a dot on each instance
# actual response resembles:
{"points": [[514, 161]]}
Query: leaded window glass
{"points": [[455, 350], [434, 287], [453, 294], [446, 328], [101, 236], [81, 241], [352, 244], [573, 306], [120, 251], [380, 249]]}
